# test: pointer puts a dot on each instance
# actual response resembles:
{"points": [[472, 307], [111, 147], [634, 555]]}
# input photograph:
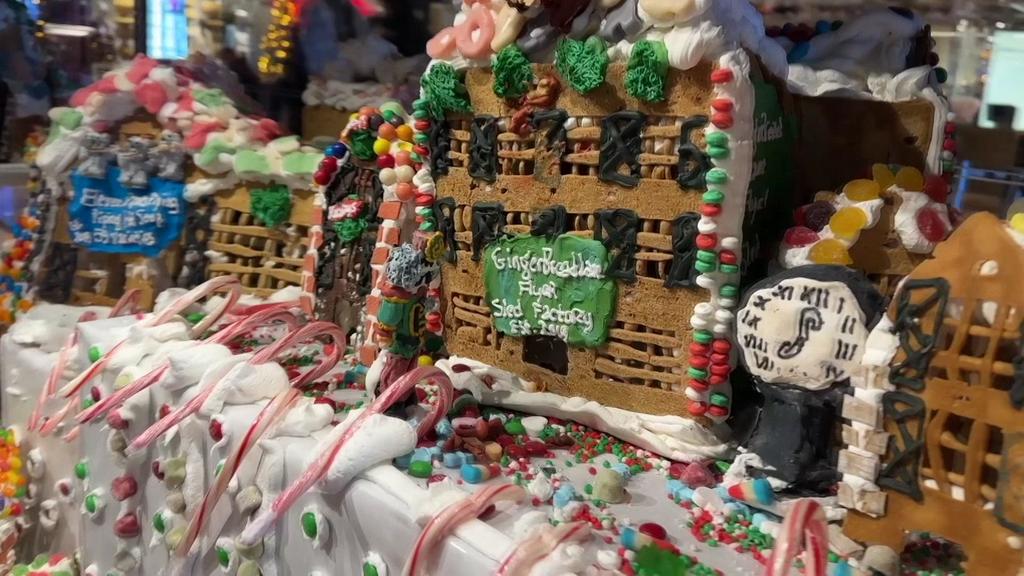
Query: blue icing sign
{"points": [[107, 217]]}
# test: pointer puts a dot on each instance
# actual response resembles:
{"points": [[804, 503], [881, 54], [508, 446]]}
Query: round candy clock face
{"points": [[803, 332]]}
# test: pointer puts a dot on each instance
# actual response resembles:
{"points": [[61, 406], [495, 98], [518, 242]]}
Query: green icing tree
{"points": [[646, 72], [271, 205], [513, 73], [443, 91], [582, 64]]}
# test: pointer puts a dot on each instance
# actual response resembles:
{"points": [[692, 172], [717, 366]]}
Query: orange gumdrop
{"points": [[881, 174], [830, 251], [910, 179], [387, 132], [862, 190], [847, 222], [404, 132]]}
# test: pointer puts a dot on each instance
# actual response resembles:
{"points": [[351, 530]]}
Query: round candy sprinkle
{"points": [[421, 469], [223, 557], [94, 353], [82, 470], [369, 569], [848, 222], [158, 522], [309, 525], [830, 251], [381, 146]]}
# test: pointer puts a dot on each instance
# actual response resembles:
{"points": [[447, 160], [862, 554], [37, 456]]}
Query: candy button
{"points": [[94, 353], [848, 222], [421, 469], [862, 190], [82, 470], [309, 525], [830, 251], [719, 399]]}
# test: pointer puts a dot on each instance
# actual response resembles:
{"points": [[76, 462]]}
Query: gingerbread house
{"points": [[934, 437], [157, 180]]}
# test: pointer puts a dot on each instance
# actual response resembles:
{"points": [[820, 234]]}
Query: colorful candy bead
{"points": [[830, 251], [847, 222]]}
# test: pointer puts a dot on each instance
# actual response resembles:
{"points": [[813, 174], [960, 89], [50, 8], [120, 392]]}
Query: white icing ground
{"points": [[670, 436]]}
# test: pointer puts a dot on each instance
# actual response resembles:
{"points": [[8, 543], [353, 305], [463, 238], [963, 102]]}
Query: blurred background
{"points": [[287, 54]]}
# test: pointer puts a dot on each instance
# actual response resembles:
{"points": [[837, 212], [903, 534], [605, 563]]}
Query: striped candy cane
{"points": [[227, 284], [421, 561], [804, 529], [266, 518], [538, 547], [278, 312], [272, 413]]}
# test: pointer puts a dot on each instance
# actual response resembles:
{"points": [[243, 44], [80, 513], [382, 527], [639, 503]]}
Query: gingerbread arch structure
{"points": [[950, 433]]}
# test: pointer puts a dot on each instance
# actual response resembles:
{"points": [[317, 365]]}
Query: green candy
{"points": [[158, 522], [697, 373], [369, 569], [716, 139], [703, 336], [718, 151], [82, 470], [515, 427], [70, 118], [728, 290], [20, 570], [729, 268], [706, 256], [713, 197], [195, 317], [719, 399], [92, 503], [421, 469], [309, 525], [704, 266], [94, 353], [39, 561], [717, 176], [87, 402], [223, 557]]}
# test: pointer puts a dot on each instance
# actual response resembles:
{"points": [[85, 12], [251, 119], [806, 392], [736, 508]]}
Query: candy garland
{"points": [[14, 478], [16, 273], [826, 230]]}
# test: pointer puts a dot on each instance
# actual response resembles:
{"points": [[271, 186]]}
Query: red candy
{"points": [[385, 161], [800, 236], [116, 421], [931, 225], [706, 241], [216, 430], [721, 76], [165, 409], [721, 346], [653, 530], [936, 188]]}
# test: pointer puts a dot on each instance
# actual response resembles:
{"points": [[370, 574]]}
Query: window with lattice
{"points": [[471, 320], [459, 131], [642, 356], [977, 344], [264, 260]]}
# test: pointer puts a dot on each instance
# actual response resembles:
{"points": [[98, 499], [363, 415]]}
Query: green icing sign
{"points": [[536, 285]]}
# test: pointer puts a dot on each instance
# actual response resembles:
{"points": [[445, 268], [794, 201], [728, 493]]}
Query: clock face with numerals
{"points": [[804, 332]]}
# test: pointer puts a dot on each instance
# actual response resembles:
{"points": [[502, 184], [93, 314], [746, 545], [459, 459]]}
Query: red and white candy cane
{"points": [[272, 413], [538, 547], [127, 304], [395, 393], [278, 312], [421, 560], [805, 528], [227, 284]]}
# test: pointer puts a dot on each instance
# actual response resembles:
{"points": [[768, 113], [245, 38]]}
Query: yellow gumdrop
{"points": [[381, 146], [910, 178], [847, 222], [862, 190], [1017, 222], [425, 361], [881, 174], [830, 251]]}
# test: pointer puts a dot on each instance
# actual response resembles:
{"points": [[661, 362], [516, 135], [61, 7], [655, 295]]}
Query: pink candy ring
{"points": [[480, 23], [272, 413], [276, 312], [322, 464], [442, 45], [423, 552], [805, 528]]}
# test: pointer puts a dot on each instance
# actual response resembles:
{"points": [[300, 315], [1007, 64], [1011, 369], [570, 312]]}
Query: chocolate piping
{"points": [[900, 473], [488, 225], [682, 274], [616, 229], [483, 148], [916, 343], [621, 144], [693, 162]]}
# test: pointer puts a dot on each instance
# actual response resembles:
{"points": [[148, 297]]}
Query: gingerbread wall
{"points": [[643, 364]]}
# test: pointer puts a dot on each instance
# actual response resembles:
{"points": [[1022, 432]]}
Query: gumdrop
{"points": [[910, 178], [848, 222], [830, 251], [931, 225], [1017, 222], [817, 214], [800, 236], [936, 188], [862, 190], [884, 177], [696, 475]]}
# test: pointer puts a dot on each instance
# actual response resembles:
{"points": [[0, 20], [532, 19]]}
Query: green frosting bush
{"points": [[444, 91], [513, 73], [272, 205], [583, 65], [646, 71]]}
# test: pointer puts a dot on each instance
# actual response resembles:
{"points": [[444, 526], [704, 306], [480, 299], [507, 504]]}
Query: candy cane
{"points": [[805, 527], [218, 284], [538, 547], [272, 413], [444, 523], [263, 317], [127, 304], [322, 464]]}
